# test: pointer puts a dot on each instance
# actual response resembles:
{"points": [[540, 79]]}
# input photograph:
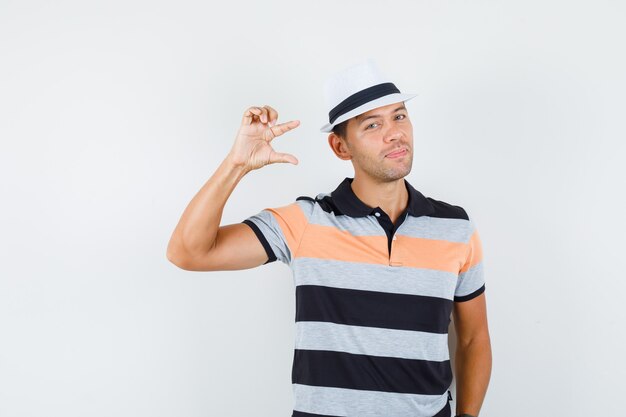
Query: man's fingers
{"points": [[273, 114], [264, 114], [281, 128], [282, 157], [249, 114]]}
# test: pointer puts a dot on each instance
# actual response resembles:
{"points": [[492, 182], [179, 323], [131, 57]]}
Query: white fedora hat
{"points": [[358, 89]]}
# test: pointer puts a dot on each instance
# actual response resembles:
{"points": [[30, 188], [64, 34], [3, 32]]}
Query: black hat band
{"points": [[360, 98]]}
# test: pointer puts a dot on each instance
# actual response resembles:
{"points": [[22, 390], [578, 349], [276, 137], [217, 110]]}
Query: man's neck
{"points": [[392, 197]]}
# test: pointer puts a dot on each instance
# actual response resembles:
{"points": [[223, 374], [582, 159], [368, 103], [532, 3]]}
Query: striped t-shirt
{"points": [[373, 300]]}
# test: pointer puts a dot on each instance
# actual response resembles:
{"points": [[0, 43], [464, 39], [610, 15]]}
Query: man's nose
{"points": [[392, 133]]}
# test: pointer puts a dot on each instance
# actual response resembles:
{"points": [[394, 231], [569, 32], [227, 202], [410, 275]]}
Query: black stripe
{"points": [[305, 197], [445, 210], [446, 411], [373, 308], [301, 414], [327, 204], [271, 257], [361, 97], [373, 373], [470, 296]]}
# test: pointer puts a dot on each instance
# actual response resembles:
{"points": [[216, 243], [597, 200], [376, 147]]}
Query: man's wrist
{"points": [[464, 415]]}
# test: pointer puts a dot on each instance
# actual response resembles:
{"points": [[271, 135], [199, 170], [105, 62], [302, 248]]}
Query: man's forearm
{"points": [[473, 371], [198, 226]]}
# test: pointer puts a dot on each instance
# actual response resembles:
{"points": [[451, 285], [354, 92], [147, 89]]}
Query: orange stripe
{"points": [[327, 242], [475, 252], [442, 255], [292, 222]]}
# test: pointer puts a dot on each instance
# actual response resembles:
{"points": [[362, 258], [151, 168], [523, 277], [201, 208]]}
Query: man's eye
{"points": [[372, 124]]}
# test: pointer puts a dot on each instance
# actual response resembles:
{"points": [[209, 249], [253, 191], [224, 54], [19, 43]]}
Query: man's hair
{"points": [[341, 129]]}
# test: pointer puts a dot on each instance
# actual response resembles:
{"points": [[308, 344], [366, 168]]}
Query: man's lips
{"points": [[397, 153]]}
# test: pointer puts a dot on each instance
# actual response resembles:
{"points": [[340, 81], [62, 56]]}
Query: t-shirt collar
{"points": [[349, 203]]}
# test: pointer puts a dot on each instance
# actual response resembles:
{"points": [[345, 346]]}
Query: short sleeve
{"points": [[280, 229], [471, 277]]}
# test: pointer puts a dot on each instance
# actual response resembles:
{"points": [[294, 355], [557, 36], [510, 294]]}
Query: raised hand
{"points": [[252, 148]]}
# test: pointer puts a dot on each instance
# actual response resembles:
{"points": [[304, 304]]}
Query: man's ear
{"points": [[339, 147]]}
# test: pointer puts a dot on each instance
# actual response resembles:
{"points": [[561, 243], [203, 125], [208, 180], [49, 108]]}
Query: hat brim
{"points": [[379, 102]]}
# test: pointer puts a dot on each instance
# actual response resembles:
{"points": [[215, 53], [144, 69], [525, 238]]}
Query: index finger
{"points": [[281, 128]]}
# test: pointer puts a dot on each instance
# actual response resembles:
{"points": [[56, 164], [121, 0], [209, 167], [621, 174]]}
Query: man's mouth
{"points": [[398, 153]]}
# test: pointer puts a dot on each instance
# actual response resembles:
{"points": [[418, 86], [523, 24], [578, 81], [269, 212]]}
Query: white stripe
{"points": [[375, 341], [470, 280], [425, 227], [374, 277], [361, 403]]}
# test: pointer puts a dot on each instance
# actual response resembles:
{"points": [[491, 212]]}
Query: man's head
{"points": [[368, 138]]}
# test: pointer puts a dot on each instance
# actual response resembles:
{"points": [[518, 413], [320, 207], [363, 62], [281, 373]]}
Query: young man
{"points": [[378, 267]]}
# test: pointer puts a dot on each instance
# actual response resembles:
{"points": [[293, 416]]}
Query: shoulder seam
{"points": [[305, 197], [451, 210], [464, 212], [306, 226]]}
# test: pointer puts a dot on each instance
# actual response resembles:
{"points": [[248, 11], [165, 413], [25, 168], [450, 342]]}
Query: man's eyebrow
{"points": [[376, 115]]}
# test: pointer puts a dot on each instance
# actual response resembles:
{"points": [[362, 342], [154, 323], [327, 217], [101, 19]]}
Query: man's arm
{"points": [[198, 242], [193, 242], [473, 354]]}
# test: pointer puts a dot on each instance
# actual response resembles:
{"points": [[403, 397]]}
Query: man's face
{"points": [[375, 134]]}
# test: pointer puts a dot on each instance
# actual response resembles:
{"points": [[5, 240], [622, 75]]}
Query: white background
{"points": [[114, 114]]}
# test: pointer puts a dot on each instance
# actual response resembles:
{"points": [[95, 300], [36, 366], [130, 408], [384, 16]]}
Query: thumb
{"points": [[283, 157]]}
